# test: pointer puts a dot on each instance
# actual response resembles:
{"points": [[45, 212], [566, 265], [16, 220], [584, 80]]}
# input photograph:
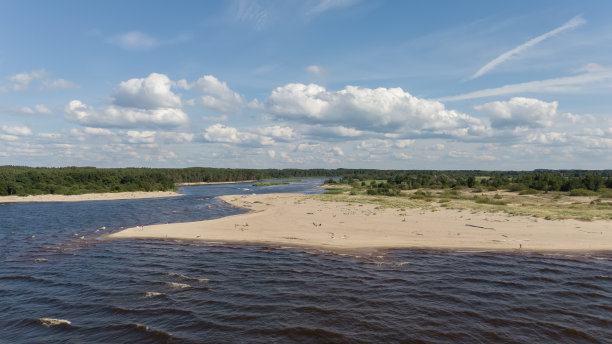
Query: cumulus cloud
{"points": [[120, 117], [337, 151], [139, 102], [152, 92], [271, 153], [216, 95], [379, 110], [134, 136], [16, 130], [224, 134], [278, 132], [520, 112], [333, 132]]}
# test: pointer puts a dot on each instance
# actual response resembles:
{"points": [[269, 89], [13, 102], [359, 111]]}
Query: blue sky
{"points": [[307, 84]]}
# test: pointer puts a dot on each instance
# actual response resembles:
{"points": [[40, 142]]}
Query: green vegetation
{"points": [[23, 181], [270, 183], [543, 194], [391, 183]]}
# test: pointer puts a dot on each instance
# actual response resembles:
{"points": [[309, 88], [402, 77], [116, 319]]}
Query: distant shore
{"points": [[108, 196], [88, 197], [299, 220], [213, 183]]}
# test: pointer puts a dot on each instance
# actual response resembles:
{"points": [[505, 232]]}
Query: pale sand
{"points": [[298, 220], [88, 197]]}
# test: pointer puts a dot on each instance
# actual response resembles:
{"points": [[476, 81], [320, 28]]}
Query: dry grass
{"points": [[551, 206]]}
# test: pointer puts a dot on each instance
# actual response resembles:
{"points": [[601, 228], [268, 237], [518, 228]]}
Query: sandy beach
{"points": [[88, 197], [299, 220]]}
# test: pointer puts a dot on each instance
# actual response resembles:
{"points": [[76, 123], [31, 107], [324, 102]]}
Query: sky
{"points": [[492, 85]]}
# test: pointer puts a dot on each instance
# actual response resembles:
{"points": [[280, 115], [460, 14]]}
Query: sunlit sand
{"points": [[299, 220]]}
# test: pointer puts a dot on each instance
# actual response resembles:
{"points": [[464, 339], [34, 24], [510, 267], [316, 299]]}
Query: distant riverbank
{"points": [[88, 197]]}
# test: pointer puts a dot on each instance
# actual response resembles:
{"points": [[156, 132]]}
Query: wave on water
{"points": [[48, 322], [153, 294], [177, 285], [186, 278]]}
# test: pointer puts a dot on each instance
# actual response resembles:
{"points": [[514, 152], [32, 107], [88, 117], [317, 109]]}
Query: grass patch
{"points": [[545, 206], [336, 191], [270, 183], [582, 192]]}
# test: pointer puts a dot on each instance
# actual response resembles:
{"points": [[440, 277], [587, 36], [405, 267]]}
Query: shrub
{"points": [[582, 192]]}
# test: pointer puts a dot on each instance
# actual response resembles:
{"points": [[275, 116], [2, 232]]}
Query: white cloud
{"points": [[403, 143], [592, 75], [174, 137], [21, 82], [403, 156], [120, 117], [333, 132], [223, 134], [216, 95], [520, 112], [337, 151], [134, 136], [271, 153], [97, 131], [278, 132], [38, 109], [570, 25], [379, 110], [8, 137], [17, 130], [152, 92]]}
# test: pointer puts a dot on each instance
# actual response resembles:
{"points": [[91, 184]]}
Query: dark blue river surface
{"points": [[60, 282]]}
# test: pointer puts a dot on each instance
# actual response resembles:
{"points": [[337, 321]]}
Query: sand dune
{"points": [[299, 220]]}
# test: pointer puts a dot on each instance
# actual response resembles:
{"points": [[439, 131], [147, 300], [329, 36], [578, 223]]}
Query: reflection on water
{"points": [[57, 287]]}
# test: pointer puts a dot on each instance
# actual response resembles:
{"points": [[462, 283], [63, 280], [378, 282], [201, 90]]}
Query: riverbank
{"points": [[299, 220], [214, 183], [88, 197]]}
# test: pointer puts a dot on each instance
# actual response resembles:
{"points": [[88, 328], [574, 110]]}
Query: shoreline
{"points": [[303, 221], [214, 183], [105, 196], [109, 196]]}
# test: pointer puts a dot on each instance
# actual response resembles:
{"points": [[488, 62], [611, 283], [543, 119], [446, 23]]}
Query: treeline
{"points": [[19, 180], [23, 181], [392, 182]]}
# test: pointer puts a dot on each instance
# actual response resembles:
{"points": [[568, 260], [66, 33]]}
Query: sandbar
{"points": [[88, 197], [300, 220]]}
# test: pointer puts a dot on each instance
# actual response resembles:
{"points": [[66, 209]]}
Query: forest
{"points": [[23, 181]]}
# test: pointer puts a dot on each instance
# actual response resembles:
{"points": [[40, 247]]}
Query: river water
{"points": [[60, 282]]}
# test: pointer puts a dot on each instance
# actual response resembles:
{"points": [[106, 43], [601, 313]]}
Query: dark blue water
{"points": [[54, 265]]}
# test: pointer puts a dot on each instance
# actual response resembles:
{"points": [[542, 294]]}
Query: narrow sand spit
{"points": [[303, 221], [88, 197]]}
